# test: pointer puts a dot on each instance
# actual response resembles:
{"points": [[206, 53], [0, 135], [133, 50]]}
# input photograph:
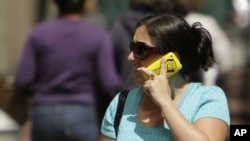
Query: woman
{"points": [[167, 109], [63, 60]]}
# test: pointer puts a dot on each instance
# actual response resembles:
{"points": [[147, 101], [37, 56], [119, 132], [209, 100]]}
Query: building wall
{"points": [[16, 20]]}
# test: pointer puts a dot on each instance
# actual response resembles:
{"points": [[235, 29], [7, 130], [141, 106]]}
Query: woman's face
{"points": [[141, 35]]}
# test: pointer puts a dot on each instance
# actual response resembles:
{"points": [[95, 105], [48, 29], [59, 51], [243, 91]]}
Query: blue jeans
{"points": [[64, 122]]}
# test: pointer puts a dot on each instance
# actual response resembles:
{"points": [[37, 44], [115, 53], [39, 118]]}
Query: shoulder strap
{"points": [[122, 98]]}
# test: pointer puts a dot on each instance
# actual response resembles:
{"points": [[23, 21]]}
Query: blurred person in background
{"points": [[122, 32], [62, 60]]}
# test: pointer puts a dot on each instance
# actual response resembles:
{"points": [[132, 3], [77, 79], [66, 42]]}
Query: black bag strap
{"points": [[120, 106]]}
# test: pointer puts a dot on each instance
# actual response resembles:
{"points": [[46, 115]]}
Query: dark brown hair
{"points": [[70, 6], [192, 43]]}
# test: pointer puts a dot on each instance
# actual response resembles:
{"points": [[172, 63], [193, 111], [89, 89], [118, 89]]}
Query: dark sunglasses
{"points": [[142, 51]]}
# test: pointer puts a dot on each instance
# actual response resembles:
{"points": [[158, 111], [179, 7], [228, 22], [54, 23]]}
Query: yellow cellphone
{"points": [[173, 65]]}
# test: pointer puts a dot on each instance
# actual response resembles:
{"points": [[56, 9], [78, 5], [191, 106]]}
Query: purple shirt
{"points": [[62, 59]]}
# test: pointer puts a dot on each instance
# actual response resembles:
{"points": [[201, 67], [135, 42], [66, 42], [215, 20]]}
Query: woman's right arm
{"points": [[105, 138]]}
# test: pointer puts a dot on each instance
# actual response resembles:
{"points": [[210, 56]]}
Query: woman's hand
{"points": [[158, 87]]}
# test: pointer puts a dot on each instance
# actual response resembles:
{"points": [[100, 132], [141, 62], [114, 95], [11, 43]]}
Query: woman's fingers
{"points": [[148, 72]]}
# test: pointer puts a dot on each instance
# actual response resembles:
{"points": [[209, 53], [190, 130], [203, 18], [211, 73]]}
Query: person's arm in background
{"points": [[106, 72], [26, 131], [26, 71]]}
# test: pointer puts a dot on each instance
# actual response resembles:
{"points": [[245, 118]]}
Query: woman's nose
{"points": [[131, 57]]}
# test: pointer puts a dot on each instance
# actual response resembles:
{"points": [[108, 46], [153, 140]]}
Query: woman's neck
{"points": [[74, 17], [178, 84], [177, 81]]}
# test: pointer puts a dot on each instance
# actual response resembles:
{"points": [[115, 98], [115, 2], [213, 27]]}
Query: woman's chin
{"points": [[139, 81]]}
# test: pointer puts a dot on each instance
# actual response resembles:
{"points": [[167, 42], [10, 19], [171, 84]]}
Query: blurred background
{"points": [[17, 19]]}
